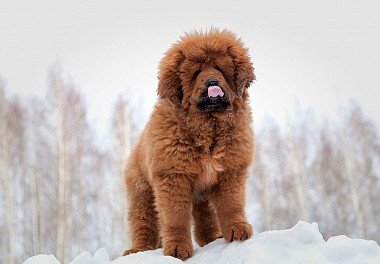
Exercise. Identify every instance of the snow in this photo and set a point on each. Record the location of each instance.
(300, 244)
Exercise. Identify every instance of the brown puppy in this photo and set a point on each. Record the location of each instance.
(192, 158)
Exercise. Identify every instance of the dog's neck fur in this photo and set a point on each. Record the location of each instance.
(208, 132)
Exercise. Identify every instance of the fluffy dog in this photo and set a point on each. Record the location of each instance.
(192, 158)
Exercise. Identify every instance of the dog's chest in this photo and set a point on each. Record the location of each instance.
(209, 169)
(211, 146)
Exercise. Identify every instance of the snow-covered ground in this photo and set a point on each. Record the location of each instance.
(298, 245)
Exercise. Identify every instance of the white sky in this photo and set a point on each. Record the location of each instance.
(320, 53)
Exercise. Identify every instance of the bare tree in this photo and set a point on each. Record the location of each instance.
(73, 142)
(360, 147)
(121, 134)
(57, 86)
(6, 176)
(268, 166)
(348, 167)
(300, 138)
(39, 172)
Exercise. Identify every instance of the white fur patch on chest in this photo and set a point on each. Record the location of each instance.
(209, 175)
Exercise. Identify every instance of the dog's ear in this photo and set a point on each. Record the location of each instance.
(169, 80)
(244, 71)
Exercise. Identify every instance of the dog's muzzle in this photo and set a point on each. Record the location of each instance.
(213, 97)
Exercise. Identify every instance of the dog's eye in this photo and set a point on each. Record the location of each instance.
(218, 69)
(196, 74)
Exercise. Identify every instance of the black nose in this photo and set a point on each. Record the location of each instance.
(212, 82)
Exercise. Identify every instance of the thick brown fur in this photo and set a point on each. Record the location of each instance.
(190, 163)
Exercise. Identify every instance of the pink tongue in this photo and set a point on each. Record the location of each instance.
(214, 91)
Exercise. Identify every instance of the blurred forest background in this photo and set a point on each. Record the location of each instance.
(62, 192)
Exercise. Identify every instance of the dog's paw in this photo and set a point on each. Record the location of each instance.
(135, 250)
(181, 250)
(238, 232)
(207, 237)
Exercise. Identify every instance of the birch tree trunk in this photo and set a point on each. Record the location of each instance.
(126, 150)
(349, 173)
(32, 146)
(3, 232)
(298, 179)
(81, 215)
(5, 173)
(122, 135)
(35, 213)
(266, 202)
(68, 217)
(61, 214)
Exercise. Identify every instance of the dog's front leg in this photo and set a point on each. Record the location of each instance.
(173, 200)
(229, 201)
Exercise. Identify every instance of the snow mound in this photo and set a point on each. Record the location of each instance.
(300, 244)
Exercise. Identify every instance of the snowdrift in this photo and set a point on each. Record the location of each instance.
(299, 245)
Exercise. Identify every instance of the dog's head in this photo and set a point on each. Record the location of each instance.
(206, 71)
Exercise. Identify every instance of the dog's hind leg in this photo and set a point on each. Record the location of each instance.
(206, 225)
(143, 220)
